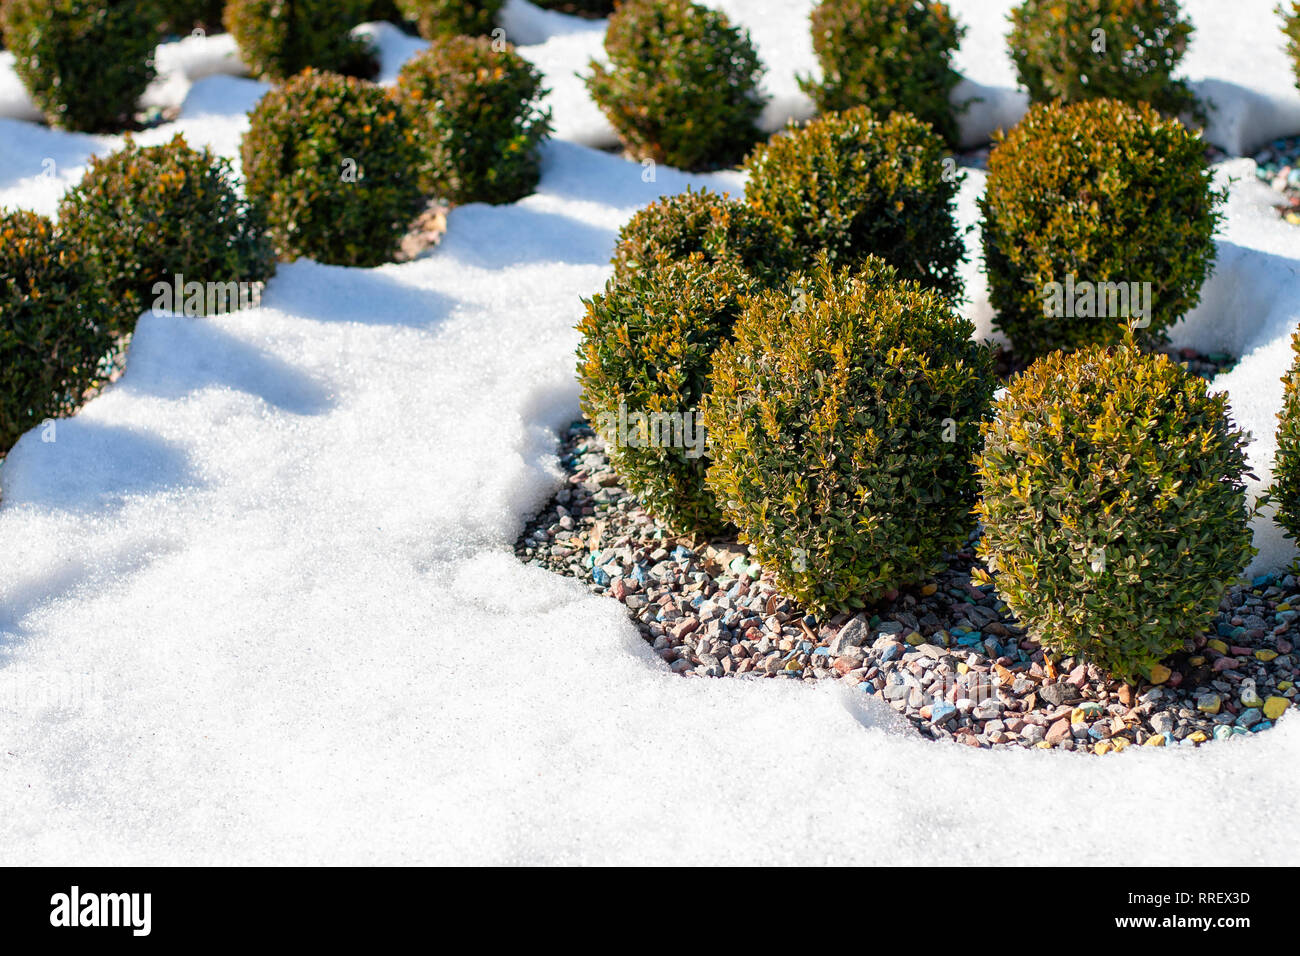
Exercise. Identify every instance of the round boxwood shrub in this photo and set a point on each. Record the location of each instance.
(887, 55)
(1291, 29)
(682, 85)
(1285, 491)
(1083, 201)
(476, 112)
(54, 326)
(448, 18)
(842, 421)
(147, 214)
(1113, 504)
(335, 163)
(648, 341)
(1075, 50)
(84, 62)
(852, 185)
(279, 38)
(715, 226)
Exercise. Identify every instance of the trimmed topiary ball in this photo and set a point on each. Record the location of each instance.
(1076, 50)
(852, 185)
(477, 113)
(717, 227)
(682, 85)
(1291, 29)
(842, 421)
(54, 326)
(148, 214)
(449, 18)
(279, 38)
(85, 63)
(1285, 491)
(648, 341)
(335, 163)
(1113, 504)
(1096, 215)
(887, 55)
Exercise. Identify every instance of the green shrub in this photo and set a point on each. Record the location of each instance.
(448, 18)
(842, 421)
(851, 185)
(54, 326)
(682, 86)
(1076, 50)
(84, 62)
(1113, 504)
(717, 227)
(590, 9)
(648, 341)
(335, 163)
(887, 55)
(145, 214)
(1291, 29)
(184, 16)
(1095, 192)
(477, 114)
(1285, 490)
(279, 38)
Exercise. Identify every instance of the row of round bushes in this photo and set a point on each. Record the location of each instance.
(1099, 191)
(683, 85)
(335, 168)
(86, 63)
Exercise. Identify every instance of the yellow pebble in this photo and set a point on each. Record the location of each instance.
(1156, 740)
(962, 667)
(1275, 707)
(1196, 661)
(1219, 646)
(1159, 674)
(1103, 747)
(1265, 655)
(929, 589)
(1284, 685)
(1119, 743)
(1198, 737)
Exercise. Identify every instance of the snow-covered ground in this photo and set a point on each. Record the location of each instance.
(258, 602)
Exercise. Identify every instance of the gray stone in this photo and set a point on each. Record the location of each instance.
(1058, 694)
(852, 634)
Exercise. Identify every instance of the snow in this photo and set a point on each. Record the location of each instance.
(257, 600)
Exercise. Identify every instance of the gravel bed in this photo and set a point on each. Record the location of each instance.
(947, 655)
